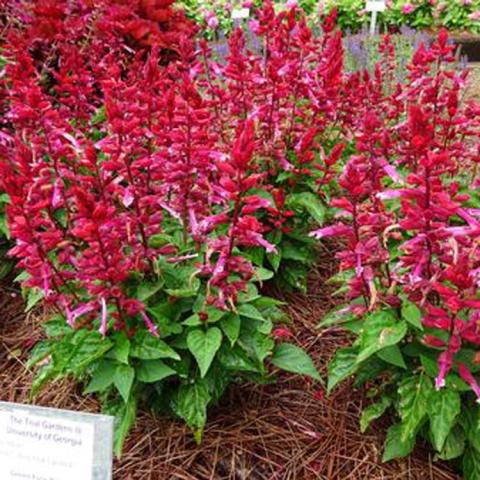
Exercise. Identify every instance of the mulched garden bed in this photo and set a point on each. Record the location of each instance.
(286, 431)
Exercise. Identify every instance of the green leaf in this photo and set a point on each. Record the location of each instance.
(34, 296)
(150, 371)
(369, 370)
(249, 311)
(471, 464)
(337, 316)
(444, 407)
(189, 291)
(291, 251)
(454, 444)
(231, 327)
(99, 116)
(204, 346)
(274, 259)
(39, 352)
(380, 330)
(256, 255)
(191, 405)
(415, 399)
(148, 347)
(123, 380)
(392, 355)
(263, 274)
(342, 366)
(374, 411)
(214, 314)
(44, 374)
(57, 327)
(258, 345)
(86, 347)
(193, 321)
(312, 204)
(395, 446)
(236, 359)
(147, 290)
(412, 314)
(121, 348)
(102, 377)
(124, 420)
(159, 240)
(294, 359)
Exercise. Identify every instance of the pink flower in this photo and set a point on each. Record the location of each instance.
(470, 379)
(213, 22)
(336, 230)
(72, 315)
(149, 324)
(104, 317)
(319, 394)
(408, 8)
(282, 332)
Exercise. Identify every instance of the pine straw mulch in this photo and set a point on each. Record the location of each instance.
(275, 432)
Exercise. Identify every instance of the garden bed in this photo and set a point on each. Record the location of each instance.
(287, 431)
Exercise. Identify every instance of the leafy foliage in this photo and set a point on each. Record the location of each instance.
(419, 14)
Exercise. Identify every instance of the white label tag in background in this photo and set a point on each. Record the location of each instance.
(49, 444)
(376, 6)
(240, 13)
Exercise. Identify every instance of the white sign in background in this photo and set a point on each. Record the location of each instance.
(376, 6)
(49, 444)
(240, 13)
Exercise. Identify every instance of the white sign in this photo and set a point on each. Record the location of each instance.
(47, 444)
(376, 6)
(240, 13)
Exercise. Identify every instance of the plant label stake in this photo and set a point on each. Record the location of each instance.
(240, 13)
(375, 6)
(46, 443)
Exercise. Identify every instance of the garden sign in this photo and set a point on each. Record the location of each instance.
(39, 443)
(240, 13)
(375, 6)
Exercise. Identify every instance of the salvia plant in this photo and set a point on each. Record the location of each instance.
(151, 194)
(409, 264)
